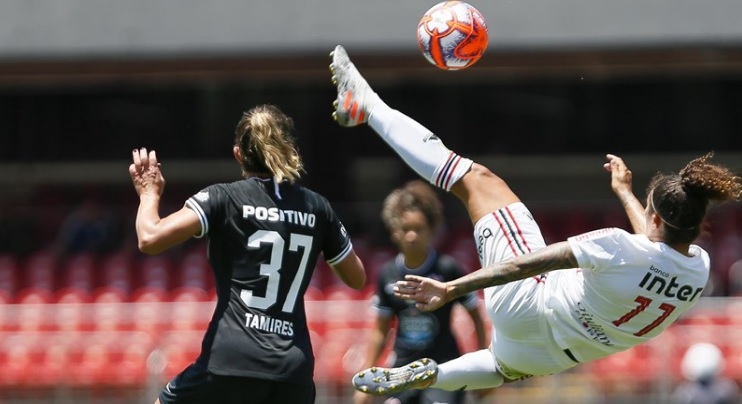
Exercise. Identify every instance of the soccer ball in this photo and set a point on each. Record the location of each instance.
(452, 35)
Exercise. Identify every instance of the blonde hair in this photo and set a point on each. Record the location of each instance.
(264, 135)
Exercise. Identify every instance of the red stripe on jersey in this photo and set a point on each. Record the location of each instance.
(451, 172)
(507, 234)
(519, 235)
(444, 169)
(520, 232)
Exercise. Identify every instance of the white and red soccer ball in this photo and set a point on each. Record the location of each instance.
(452, 35)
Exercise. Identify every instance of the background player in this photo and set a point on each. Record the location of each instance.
(413, 215)
(622, 289)
(265, 235)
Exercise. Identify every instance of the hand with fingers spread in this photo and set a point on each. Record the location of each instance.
(621, 176)
(145, 173)
(428, 293)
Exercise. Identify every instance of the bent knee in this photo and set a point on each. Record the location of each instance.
(483, 191)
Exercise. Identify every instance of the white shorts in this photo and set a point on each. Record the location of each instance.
(522, 342)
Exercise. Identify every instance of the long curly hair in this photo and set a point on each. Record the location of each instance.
(681, 199)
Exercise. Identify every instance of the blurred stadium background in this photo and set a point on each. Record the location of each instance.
(86, 318)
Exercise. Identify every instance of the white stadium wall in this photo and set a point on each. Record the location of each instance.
(43, 28)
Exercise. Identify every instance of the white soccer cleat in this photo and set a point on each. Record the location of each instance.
(355, 97)
(383, 381)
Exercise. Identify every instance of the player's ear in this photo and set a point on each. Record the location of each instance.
(237, 153)
(656, 221)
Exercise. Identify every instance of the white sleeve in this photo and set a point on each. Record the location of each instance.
(598, 249)
(191, 203)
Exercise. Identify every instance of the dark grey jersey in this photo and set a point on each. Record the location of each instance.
(421, 334)
(263, 243)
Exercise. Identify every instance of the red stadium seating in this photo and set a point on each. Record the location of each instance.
(149, 295)
(5, 298)
(9, 271)
(189, 294)
(179, 349)
(322, 275)
(71, 311)
(54, 365)
(341, 354)
(187, 316)
(344, 307)
(194, 271)
(40, 271)
(108, 312)
(108, 294)
(33, 311)
(154, 272)
(148, 314)
(90, 365)
(79, 272)
(34, 296)
(117, 271)
(130, 368)
(20, 354)
(72, 295)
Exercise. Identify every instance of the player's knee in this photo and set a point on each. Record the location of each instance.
(480, 175)
(479, 179)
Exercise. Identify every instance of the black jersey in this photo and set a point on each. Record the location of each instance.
(263, 243)
(420, 334)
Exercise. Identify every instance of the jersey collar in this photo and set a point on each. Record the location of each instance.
(422, 270)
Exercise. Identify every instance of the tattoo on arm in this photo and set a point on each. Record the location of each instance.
(555, 256)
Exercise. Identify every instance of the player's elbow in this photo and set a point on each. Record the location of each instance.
(149, 245)
(149, 249)
(357, 282)
(351, 271)
(356, 279)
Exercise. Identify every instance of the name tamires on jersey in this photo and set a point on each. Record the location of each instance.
(264, 239)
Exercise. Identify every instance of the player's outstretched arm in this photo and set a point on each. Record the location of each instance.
(430, 294)
(621, 183)
(157, 234)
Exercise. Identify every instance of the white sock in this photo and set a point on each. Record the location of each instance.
(472, 371)
(418, 147)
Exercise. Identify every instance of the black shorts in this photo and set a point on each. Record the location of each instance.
(196, 385)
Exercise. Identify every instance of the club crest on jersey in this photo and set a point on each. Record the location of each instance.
(202, 196)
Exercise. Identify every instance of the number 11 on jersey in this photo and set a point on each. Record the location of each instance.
(643, 303)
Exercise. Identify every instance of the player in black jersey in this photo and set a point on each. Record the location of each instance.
(265, 234)
(413, 214)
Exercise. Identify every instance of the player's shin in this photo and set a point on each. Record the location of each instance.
(419, 148)
(472, 371)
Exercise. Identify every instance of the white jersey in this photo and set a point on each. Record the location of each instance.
(627, 290)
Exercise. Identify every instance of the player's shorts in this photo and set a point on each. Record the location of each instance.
(196, 385)
(522, 341)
